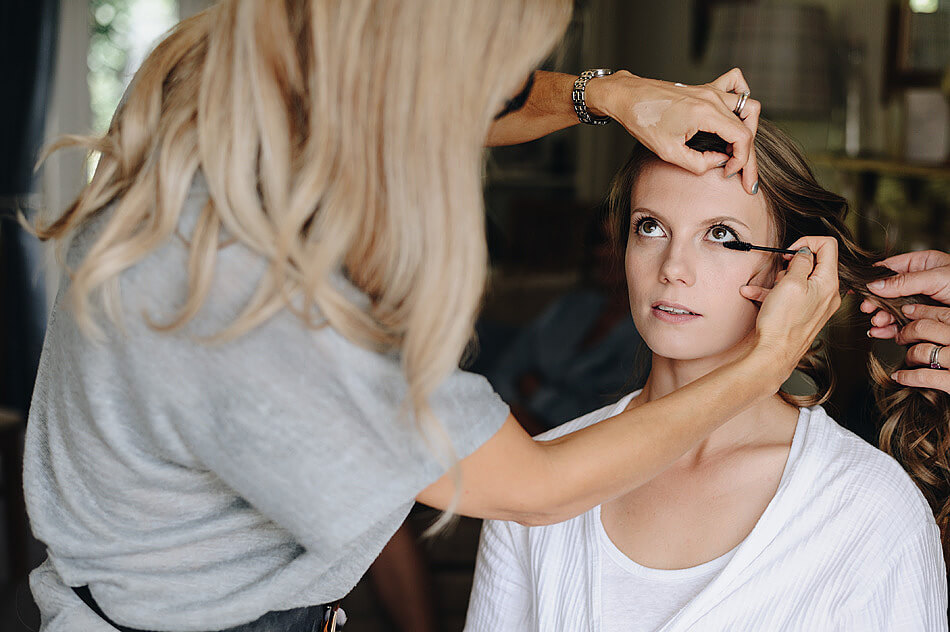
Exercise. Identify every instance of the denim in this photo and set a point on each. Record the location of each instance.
(306, 619)
(297, 620)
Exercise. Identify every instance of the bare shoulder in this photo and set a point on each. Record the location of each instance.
(782, 423)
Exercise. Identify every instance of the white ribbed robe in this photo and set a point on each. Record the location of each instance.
(848, 543)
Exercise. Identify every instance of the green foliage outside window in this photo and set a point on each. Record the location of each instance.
(122, 33)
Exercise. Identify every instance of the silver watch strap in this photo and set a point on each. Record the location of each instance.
(577, 96)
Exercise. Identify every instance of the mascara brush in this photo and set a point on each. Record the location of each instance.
(744, 246)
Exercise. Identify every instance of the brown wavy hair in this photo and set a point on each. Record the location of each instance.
(916, 421)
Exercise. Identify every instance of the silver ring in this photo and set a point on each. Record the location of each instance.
(743, 97)
(934, 362)
(679, 85)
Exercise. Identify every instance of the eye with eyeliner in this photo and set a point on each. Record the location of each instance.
(646, 222)
(732, 233)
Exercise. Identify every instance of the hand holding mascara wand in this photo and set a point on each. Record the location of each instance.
(746, 246)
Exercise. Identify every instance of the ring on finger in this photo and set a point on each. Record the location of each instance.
(934, 362)
(743, 97)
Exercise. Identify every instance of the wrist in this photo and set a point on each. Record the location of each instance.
(767, 364)
(600, 91)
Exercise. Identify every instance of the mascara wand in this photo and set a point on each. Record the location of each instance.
(744, 246)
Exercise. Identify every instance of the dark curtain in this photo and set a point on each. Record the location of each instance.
(28, 33)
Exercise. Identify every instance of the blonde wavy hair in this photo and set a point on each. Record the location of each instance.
(333, 135)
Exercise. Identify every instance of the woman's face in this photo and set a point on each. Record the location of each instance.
(682, 283)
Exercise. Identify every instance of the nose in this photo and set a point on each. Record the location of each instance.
(678, 266)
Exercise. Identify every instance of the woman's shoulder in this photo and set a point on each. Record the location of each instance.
(854, 474)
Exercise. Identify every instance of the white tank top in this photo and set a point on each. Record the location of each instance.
(636, 598)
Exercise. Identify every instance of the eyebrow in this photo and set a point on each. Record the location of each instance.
(711, 220)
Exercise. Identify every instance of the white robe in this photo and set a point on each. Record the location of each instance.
(847, 543)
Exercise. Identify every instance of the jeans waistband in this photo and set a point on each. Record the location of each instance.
(323, 618)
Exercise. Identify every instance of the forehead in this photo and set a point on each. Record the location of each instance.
(684, 198)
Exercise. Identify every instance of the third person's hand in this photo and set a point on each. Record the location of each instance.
(924, 272)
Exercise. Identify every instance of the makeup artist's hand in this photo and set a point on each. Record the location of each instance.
(795, 309)
(925, 272)
(664, 115)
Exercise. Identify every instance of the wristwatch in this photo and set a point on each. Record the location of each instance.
(577, 95)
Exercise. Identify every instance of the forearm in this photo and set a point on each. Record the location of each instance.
(548, 109)
(643, 441)
(512, 477)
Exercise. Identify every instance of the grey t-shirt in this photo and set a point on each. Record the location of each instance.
(196, 486)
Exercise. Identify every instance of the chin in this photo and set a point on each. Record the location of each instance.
(676, 352)
(688, 347)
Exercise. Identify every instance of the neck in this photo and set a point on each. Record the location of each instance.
(763, 422)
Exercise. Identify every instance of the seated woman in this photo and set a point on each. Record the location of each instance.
(781, 519)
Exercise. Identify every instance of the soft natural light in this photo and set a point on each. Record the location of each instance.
(924, 6)
(123, 33)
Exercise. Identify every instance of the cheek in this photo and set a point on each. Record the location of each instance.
(731, 316)
(730, 309)
(764, 276)
(641, 265)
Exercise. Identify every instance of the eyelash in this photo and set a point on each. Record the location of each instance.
(640, 221)
(645, 218)
(731, 231)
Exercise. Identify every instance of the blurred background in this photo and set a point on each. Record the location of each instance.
(863, 86)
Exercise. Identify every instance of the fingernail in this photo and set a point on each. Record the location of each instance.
(755, 187)
(804, 250)
(868, 333)
(894, 376)
(908, 309)
(722, 164)
(876, 285)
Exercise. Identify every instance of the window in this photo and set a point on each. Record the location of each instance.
(123, 33)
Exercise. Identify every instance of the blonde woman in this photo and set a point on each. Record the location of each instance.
(251, 373)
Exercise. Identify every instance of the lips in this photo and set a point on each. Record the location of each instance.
(674, 309)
